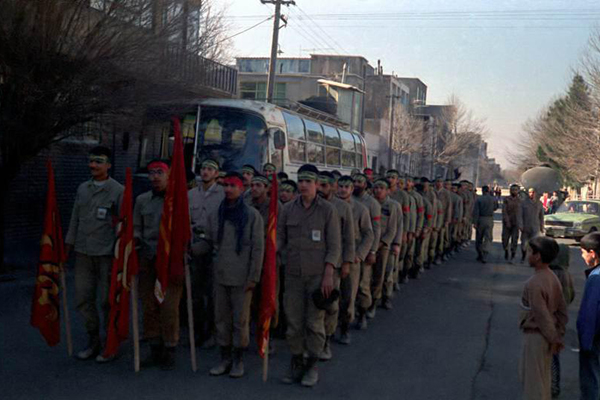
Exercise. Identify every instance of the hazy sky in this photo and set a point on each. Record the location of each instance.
(504, 59)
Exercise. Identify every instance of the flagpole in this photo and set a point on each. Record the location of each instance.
(265, 374)
(188, 287)
(136, 325)
(63, 283)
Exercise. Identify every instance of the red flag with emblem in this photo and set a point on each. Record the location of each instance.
(269, 274)
(124, 269)
(45, 313)
(175, 230)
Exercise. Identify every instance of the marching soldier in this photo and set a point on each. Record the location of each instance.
(512, 222)
(364, 299)
(446, 218)
(160, 320)
(467, 212)
(344, 212)
(412, 255)
(533, 219)
(92, 234)
(457, 217)
(429, 250)
(363, 236)
(398, 194)
(248, 172)
(288, 190)
(428, 224)
(483, 220)
(308, 230)
(404, 265)
(391, 238)
(204, 201)
(237, 233)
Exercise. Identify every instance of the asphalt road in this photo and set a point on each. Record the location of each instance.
(453, 334)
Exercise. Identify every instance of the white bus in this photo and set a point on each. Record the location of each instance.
(238, 132)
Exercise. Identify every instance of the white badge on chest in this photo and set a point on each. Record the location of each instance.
(101, 213)
(316, 235)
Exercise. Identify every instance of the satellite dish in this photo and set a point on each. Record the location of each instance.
(542, 179)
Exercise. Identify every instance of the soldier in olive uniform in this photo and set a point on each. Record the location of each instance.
(204, 201)
(308, 230)
(512, 222)
(92, 234)
(237, 232)
(446, 219)
(390, 214)
(458, 216)
(363, 236)
(344, 212)
(160, 320)
(364, 299)
(288, 190)
(428, 224)
(248, 171)
(397, 194)
(413, 251)
(483, 220)
(432, 217)
(411, 211)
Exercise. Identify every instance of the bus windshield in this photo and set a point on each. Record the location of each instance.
(232, 137)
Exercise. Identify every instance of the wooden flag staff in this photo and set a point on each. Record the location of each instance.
(266, 361)
(63, 284)
(136, 324)
(190, 310)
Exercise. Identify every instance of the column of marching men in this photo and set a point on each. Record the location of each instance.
(345, 245)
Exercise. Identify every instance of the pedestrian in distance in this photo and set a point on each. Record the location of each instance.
(92, 234)
(588, 320)
(483, 221)
(512, 223)
(533, 219)
(237, 234)
(543, 320)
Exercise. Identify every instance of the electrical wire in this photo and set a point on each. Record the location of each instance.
(322, 30)
(247, 29)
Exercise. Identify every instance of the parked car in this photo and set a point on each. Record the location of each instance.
(574, 219)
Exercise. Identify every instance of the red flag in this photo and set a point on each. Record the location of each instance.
(269, 274)
(175, 230)
(124, 269)
(45, 309)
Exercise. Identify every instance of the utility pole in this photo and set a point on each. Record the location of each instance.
(274, 44)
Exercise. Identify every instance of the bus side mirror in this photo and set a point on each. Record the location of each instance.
(278, 138)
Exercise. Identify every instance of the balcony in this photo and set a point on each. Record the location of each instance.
(199, 74)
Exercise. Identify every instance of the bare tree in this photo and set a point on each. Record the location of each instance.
(461, 133)
(407, 132)
(64, 63)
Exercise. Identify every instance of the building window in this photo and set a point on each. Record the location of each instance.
(258, 91)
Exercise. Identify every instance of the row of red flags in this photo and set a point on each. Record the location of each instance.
(170, 262)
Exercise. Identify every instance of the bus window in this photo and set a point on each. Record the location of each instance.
(348, 149)
(359, 151)
(314, 131)
(296, 137)
(316, 153)
(232, 137)
(334, 143)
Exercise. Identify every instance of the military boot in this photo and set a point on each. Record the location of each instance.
(92, 349)
(296, 370)
(225, 364)
(387, 303)
(345, 337)
(372, 310)
(311, 376)
(326, 354)
(237, 370)
(155, 356)
(168, 360)
(361, 319)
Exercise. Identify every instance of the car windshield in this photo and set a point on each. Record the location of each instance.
(579, 207)
(232, 137)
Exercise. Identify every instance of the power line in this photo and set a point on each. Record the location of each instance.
(322, 30)
(316, 39)
(246, 30)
